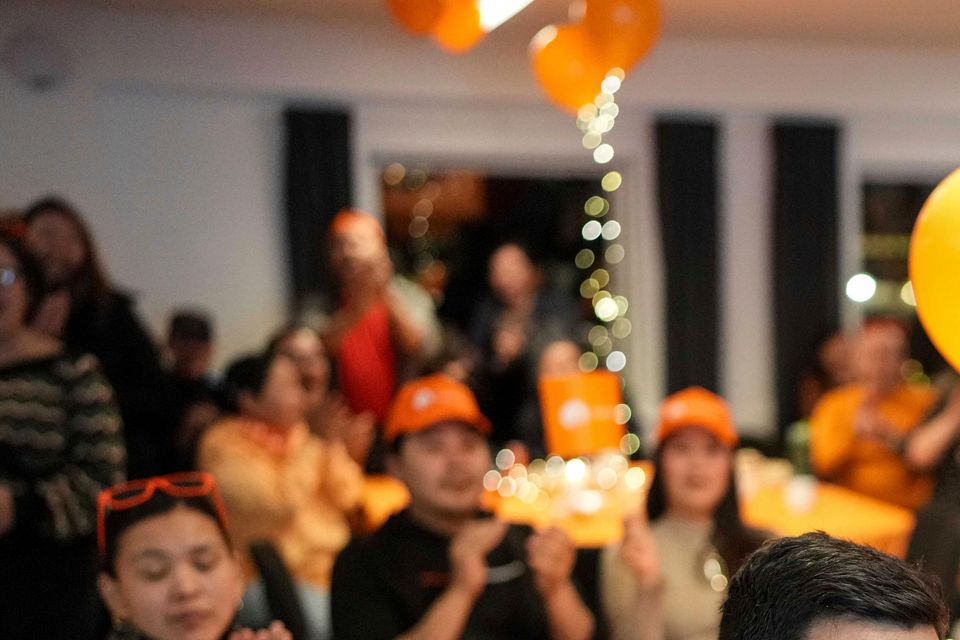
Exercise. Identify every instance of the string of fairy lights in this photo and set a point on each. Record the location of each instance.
(596, 120)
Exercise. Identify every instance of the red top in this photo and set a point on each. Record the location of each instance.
(367, 363)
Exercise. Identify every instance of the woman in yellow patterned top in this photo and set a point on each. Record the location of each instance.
(281, 483)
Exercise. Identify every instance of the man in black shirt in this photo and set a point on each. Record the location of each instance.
(441, 569)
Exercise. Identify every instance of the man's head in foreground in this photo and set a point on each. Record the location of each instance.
(814, 587)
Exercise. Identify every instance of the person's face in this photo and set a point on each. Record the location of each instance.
(13, 295)
(512, 276)
(176, 579)
(696, 469)
(281, 402)
(559, 358)
(56, 242)
(854, 629)
(835, 358)
(879, 354)
(356, 249)
(191, 357)
(443, 469)
(306, 350)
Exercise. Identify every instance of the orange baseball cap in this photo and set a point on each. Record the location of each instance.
(697, 407)
(427, 402)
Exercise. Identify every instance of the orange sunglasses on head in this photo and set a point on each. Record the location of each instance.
(188, 484)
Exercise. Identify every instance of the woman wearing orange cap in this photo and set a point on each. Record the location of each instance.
(668, 578)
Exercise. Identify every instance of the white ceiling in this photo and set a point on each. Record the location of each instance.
(889, 23)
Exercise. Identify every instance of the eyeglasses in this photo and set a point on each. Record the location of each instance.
(8, 276)
(188, 484)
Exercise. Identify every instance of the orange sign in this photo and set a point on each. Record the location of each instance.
(580, 413)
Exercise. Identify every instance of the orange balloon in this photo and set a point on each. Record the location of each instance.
(935, 267)
(458, 27)
(623, 30)
(567, 66)
(416, 16)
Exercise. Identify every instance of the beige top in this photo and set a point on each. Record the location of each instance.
(289, 487)
(686, 607)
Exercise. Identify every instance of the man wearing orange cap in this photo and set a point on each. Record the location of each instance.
(858, 431)
(442, 569)
(381, 321)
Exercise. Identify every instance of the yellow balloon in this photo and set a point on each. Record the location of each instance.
(935, 267)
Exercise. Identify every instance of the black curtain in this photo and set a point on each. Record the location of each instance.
(805, 250)
(317, 185)
(687, 196)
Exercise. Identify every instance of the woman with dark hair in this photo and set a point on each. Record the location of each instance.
(168, 571)
(81, 307)
(281, 483)
(328, 414)
(60, 444)
(668, 578)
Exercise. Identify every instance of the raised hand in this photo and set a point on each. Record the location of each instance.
(276, 631)
(468, 554)
(639, 551)
(551, 556)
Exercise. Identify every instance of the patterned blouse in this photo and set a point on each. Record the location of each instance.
(60, 443)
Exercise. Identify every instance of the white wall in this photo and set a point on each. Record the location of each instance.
(169, 138)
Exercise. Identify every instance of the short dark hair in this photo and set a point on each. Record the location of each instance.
(116, 523)
(791, 583)
(191, 324)
(246, 374)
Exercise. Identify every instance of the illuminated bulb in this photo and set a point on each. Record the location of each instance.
(621, 328)
(635, 478)
(603, 154)
(611, 181)
(614, 253)
(622, 413)
(861, 287)
(616, 361)
(555, 466)
(584, 259)
(611, 230)
(589, 288)
(610, 84)
(491, 480)
(576, 471)
(508, 487)
(588, 362)
(592, 230)
(591, 140)
(393, 174)
(418, 227)
(607, 479)
(505, 459)
(622, 305)
(610, 109)
(597, 334)
(603, 124)
(602, 276)
(907, 295)
(606, 309)
(618, 73)
(596, 206)
(629, 444)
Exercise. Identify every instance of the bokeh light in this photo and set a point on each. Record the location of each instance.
(615, 253)
(584, 259)
(616, 361)
(603, 154)
(861, 287)
(591, 230)
(611, 181)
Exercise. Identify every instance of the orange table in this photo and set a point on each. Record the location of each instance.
(835, 510)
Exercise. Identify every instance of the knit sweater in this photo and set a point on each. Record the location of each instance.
(60, 443)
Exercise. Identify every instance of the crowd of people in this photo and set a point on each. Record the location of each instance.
(133, 484)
